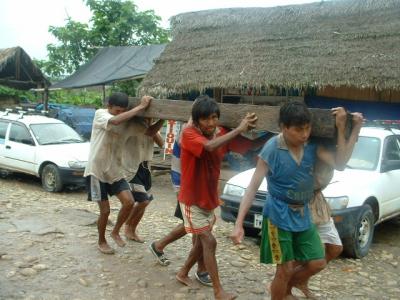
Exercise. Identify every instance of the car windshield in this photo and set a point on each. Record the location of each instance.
(58, 133)
(365, 154)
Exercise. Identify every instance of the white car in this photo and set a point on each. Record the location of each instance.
(44, 147)
(364, 194)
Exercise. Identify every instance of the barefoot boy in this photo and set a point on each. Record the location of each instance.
(103, 171)
(141, 183)
(288, 234)
(202, 148)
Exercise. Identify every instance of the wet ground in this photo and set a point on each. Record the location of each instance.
(48, 251)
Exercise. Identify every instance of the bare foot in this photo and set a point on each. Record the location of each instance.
(306, 291)
(133, 236)
(118, 240)
(225, 296)
(105, 248)
(184, 280)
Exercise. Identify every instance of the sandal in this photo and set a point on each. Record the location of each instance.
(162, 260)
(203, 278)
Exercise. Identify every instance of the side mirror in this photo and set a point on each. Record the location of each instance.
(389, 165)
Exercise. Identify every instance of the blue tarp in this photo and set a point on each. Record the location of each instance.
(112, 64)
(79, 118)
(370, 110)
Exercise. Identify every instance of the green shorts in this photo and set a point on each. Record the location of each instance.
(279, 246)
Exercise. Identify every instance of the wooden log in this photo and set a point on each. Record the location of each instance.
(323, 123)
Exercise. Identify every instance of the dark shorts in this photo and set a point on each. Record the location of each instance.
(141, 184)
(99, 191)
(178, 212)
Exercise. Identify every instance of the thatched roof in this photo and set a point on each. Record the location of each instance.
(17, 69)
(338, 43)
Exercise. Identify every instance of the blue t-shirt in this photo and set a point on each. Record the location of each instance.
(289, 182)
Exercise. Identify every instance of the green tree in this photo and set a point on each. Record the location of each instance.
(113, 23)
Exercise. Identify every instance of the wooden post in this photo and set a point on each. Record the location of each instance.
(46, 98)
(104, 95)
(323, 123)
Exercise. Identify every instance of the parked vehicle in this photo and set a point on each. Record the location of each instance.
(42, 146)
(361, 196)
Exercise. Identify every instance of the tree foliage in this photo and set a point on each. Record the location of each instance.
(113, 23)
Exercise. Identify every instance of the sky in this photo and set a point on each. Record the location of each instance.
(25, 23)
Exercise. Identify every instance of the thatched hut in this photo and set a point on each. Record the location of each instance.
(17, 70)
(349, 48)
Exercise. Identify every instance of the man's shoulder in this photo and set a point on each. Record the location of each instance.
(272, 144)
(191, 131)
(101, 112)
(221, 130)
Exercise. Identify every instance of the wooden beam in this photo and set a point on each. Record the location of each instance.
(323, 123)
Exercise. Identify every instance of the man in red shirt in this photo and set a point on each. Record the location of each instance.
(203, 146)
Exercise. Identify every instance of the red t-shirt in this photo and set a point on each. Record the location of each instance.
(200, 168)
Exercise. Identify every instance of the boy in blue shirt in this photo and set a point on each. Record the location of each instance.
(288, 234)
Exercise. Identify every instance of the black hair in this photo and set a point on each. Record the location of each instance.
(294, 113)
(203, 107)
(118, 99)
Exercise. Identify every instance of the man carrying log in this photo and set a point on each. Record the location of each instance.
(104, 172)
(203, 146)
(288, 234)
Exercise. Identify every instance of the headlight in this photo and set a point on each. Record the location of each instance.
(337, 202)
(233, 190)
(77, 164)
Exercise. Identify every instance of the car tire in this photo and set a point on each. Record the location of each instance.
(358, 244)
(249, 231)
(51, 179)
(4, 173)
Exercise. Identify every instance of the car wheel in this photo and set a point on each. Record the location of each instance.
(51, 180)
(4, 173)
(358, 244)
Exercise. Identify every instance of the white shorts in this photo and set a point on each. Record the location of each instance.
(197, 220)
(329, 234)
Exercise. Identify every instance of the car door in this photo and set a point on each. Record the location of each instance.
(3, 132)
(390, 179)
(19, 152)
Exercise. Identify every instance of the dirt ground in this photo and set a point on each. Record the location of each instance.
(48, 251)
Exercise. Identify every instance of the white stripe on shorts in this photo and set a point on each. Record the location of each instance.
(95, 190)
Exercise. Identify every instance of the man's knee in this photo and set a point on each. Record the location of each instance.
(104, 212)
(126, 199)
(128, 205)
(104, 208)
(285, 271)
(332, 251)
(208, 240)
(317, 265)
(143, 205)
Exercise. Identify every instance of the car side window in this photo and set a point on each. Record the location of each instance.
(20, 134)
(3, 131)
(392, 151)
